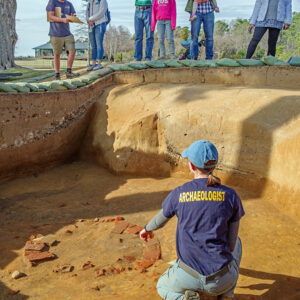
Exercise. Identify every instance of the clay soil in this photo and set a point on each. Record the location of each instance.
(62, 205)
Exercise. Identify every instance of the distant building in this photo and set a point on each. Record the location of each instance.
(46, 50)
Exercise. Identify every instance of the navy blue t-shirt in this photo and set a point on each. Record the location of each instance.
(204, 214)
(59, 29)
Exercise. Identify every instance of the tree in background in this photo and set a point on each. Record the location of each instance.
(185, 33)
(289, 43)
(221, 28)
(8, 35)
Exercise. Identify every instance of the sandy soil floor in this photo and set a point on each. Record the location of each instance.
(52, 204)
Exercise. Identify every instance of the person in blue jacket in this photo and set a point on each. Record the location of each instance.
(208, 248)
(271, 15)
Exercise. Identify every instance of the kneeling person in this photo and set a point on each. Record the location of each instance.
(208, 248)
(60, 35)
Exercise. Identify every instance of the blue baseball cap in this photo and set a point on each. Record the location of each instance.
(200, 152)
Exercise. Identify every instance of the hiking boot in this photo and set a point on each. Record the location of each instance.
(191, 295)
(72, 75)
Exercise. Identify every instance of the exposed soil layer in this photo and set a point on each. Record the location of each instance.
(53, 203)
(139, 128)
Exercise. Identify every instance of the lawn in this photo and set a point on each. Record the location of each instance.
(33, 68)
(27, 73)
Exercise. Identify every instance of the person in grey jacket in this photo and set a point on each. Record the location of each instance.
(272, 15)
(96, 16)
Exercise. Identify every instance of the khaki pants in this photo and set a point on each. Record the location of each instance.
(66, 42)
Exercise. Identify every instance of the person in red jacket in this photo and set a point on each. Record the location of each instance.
(164, 14)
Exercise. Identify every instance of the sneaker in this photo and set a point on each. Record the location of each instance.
(57, 76)
(98, 67)
(91, 67)
(72, 75)
(191, 295)
(193, 17)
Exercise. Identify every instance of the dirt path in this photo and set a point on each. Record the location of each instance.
(52, 204)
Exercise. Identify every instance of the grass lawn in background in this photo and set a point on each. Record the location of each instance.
(27, 73)
(48, 63)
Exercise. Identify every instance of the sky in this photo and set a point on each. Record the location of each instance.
(32, 27)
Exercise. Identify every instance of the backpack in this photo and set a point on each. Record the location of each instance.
(107, 13)
(108, 17)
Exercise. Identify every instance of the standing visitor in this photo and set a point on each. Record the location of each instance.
(142, 20)
(208, 248)
(205, 15)
(164, 14)
(96, 15)
(60, 35)
(271, 15)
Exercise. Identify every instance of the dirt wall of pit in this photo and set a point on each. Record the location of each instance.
(139, 122)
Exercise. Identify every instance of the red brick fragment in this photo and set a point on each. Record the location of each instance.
(141, 285)
(144, 264)
(74, 275)
(87, 265)
(13, 292)
(46, 224)
(69, 231)
(30, 246)
(110, 220)
(63, 205)
(135, 230)
(152, 250)
(120, 219)
(120, 227)
(100, 273)
(35, 256)
(130, 258)
(114, 270)
(121, 240)
(35, 236)
(128, 269)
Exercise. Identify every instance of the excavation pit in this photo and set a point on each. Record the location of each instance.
(113, 149)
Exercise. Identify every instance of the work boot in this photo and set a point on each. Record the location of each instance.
(70, 74)
(191, 295)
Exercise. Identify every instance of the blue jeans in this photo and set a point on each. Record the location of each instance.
(175, 281)
(96, 39)
(208, 21)
(142, 19)
(162, 27)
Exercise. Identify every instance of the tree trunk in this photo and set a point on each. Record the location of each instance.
(8, 35)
